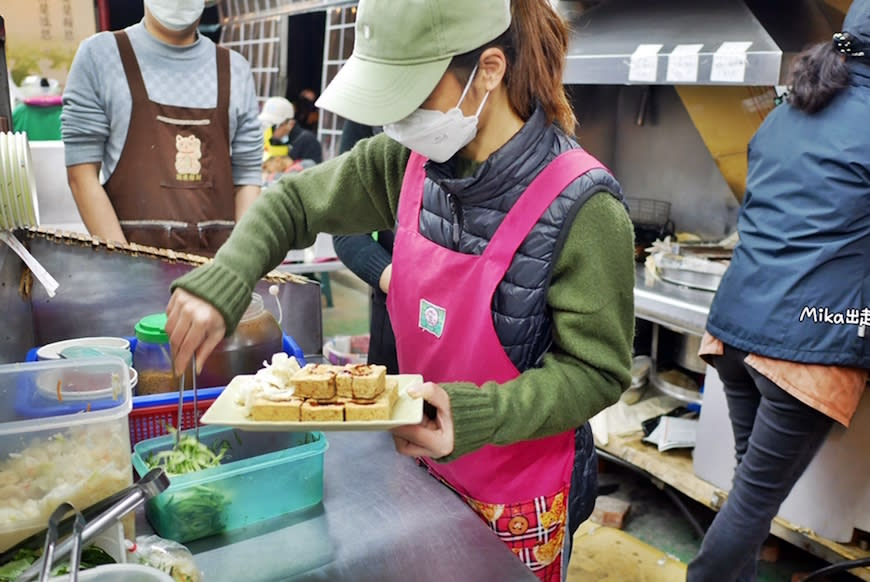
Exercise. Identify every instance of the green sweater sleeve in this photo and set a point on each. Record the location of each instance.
(355, 193)
(589, 364)
(591, 291)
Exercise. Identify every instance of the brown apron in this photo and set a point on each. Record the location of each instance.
(173, 185)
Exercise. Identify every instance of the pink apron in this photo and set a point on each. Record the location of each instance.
(440, 303)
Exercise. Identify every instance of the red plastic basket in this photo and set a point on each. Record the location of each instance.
(151, 421)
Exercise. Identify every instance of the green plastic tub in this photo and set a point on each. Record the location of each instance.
(263, 475)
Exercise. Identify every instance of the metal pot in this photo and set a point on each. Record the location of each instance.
(686, 350)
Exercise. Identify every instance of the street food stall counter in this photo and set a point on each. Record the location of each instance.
(383, 518)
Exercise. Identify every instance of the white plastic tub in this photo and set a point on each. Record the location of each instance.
(119, 572)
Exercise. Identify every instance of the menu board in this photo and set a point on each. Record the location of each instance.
(42, 36)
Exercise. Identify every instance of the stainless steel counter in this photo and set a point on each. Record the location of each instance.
(383, 518)
(681, 309)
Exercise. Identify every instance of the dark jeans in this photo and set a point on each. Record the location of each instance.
(776, 437)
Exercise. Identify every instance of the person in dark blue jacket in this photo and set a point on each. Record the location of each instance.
(789, 328)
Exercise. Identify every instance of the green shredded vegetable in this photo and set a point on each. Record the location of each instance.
(92, 556)
(188, 456)
(197, 511)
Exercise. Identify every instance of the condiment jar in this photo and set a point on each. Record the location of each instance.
(257, 337)
(152, 357)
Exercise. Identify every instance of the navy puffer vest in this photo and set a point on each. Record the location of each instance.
(463, 214)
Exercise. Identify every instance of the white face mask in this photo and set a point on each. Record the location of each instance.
(176, 14)
(437, 135)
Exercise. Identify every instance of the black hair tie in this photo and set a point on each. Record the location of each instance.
(847, 44)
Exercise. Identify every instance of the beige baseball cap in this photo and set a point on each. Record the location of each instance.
(401, 51)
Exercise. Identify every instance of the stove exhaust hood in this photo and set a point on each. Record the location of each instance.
(686, 42)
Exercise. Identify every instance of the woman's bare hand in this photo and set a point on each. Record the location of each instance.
(386, 275)
(194, 327)
(432, 437)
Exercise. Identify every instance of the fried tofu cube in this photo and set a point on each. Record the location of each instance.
(315, 381)
(286, 410)
(379, 409)
(368, 381)
(318, 412)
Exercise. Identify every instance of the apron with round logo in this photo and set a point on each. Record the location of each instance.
(440, 304)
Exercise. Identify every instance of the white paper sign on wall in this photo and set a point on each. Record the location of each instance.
(644, 63)
(729, 62)
(683, 63)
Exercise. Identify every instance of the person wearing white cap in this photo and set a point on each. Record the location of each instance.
(170, 121)
(513, 264)
(282, 135)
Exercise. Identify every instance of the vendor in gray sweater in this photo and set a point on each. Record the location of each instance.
(170, 121)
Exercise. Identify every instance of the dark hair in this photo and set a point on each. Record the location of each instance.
(535, 47)
(817, 75)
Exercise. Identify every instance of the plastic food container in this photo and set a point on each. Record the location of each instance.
(100, 345)
(116, 572)
(81, 388)
(263, 475)
(345, 349)
(54, 450)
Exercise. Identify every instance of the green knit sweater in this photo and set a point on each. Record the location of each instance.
(591, 292)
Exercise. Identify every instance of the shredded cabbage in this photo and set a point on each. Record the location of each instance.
(80, 465)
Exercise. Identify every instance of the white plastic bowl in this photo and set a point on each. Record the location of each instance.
(118, 573)
(100, 384)
(52, 351)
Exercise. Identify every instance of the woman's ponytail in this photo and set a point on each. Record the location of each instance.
(817, 76)
(535, 46)
(541, 38)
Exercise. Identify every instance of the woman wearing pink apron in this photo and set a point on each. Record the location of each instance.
(511, 290)
(520, 490)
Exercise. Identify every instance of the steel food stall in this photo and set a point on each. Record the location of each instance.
(667, 96)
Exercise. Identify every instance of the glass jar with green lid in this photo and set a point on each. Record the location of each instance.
(152, 357)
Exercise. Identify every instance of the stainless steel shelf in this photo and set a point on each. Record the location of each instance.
(606, 37)
(678, 308)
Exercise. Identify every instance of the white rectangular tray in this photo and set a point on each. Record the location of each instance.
(225, 412)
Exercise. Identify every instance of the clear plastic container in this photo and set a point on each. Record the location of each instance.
(256, 338)
(152, 357)
(342, 350)
(54, 450)
(263, 475)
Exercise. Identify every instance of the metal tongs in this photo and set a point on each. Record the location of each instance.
(181, 404)
(153, 483)
(48, 552)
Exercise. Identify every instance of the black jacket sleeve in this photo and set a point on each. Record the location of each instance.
(306, 147)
